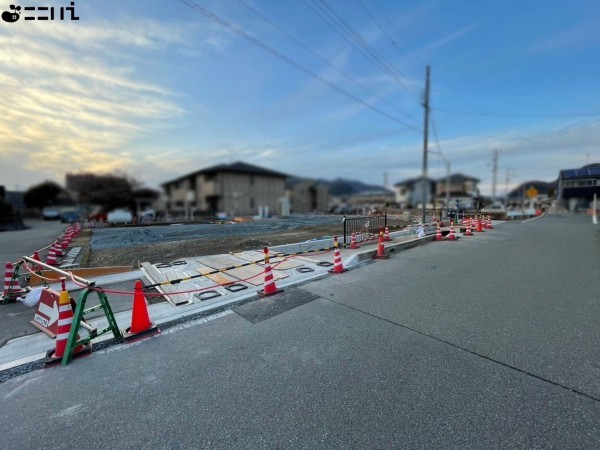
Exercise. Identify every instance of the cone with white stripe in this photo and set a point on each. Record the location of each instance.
(386, 236)
(12, 287)
(468, 228)
(65, 322)
(380, 248)
(51, 258)
(452, 235)
(269, 287)
(337, 258)
(353, 243)
(438, 233)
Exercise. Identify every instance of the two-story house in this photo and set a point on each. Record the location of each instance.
(231, 189)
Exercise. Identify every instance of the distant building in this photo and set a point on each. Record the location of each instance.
(409, 193)
(233, 189)
(576, 187)
(371, 200)
(307, 195)
(544, 190)
(463, 190)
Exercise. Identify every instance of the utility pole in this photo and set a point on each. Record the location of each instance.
(494, 173)
(448, 184)
(425, 144)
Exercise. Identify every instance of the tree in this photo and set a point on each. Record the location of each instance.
(41, 195)
(108, 191)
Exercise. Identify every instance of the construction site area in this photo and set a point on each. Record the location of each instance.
(181, 271)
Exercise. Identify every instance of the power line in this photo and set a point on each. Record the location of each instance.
(320, 58)
(289, 61)
(393, 42)
(397, 31)
(341, 27)
(493, 114)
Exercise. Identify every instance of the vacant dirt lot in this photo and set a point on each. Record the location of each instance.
(124, 247)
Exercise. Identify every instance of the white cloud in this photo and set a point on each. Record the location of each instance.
(69, 105)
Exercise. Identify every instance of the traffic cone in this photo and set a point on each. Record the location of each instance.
(380, 248)
(438, 233)
(64, 244)
(472, 222)
(468, 228)
(337, 258)
(479, 225)
(65, 321)
(452, 236)
(489, 225)
(386, 236)
(57, 248)
(12, 287)
(353, 243)
(140, 319)
(51, 258)
(269, 287)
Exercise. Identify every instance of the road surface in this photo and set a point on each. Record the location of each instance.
(487, 342)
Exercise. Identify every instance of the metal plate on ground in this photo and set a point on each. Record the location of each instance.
(221, 278)
(287, 264)
(315, 259)
(251, 256)
(268, 307)
(221, 261)
(249, 275)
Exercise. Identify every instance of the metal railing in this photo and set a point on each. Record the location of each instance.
(365, 227)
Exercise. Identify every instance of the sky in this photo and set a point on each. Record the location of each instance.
(156, 89)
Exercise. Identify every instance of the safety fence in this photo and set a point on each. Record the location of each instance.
(364, 227)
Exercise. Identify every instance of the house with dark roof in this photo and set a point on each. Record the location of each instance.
(232, 189)
(577, 187)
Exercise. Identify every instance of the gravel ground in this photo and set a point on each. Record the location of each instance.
(134, 245)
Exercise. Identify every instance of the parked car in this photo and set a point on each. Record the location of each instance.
(50, 213)
(69, 217)
(494, 209)
(119, 216)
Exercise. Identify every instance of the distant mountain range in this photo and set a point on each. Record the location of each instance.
(341, 186)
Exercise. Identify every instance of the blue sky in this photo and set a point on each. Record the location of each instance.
(157, 89)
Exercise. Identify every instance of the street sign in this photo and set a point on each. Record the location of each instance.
(46, 315)
(532, 192)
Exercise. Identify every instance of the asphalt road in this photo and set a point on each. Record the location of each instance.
(488, 342)
(40, 233)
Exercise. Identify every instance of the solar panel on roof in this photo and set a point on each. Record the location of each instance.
(595, 171)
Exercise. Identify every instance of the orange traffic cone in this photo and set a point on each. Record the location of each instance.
(12, 287)
(337, 258)
(438, 233)
(65, 321)
(140, 319)
(468, 228)
(452, 235)
(386, 236)
(353, 243)
(269, 288)
(380, 248)
(479, 225)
